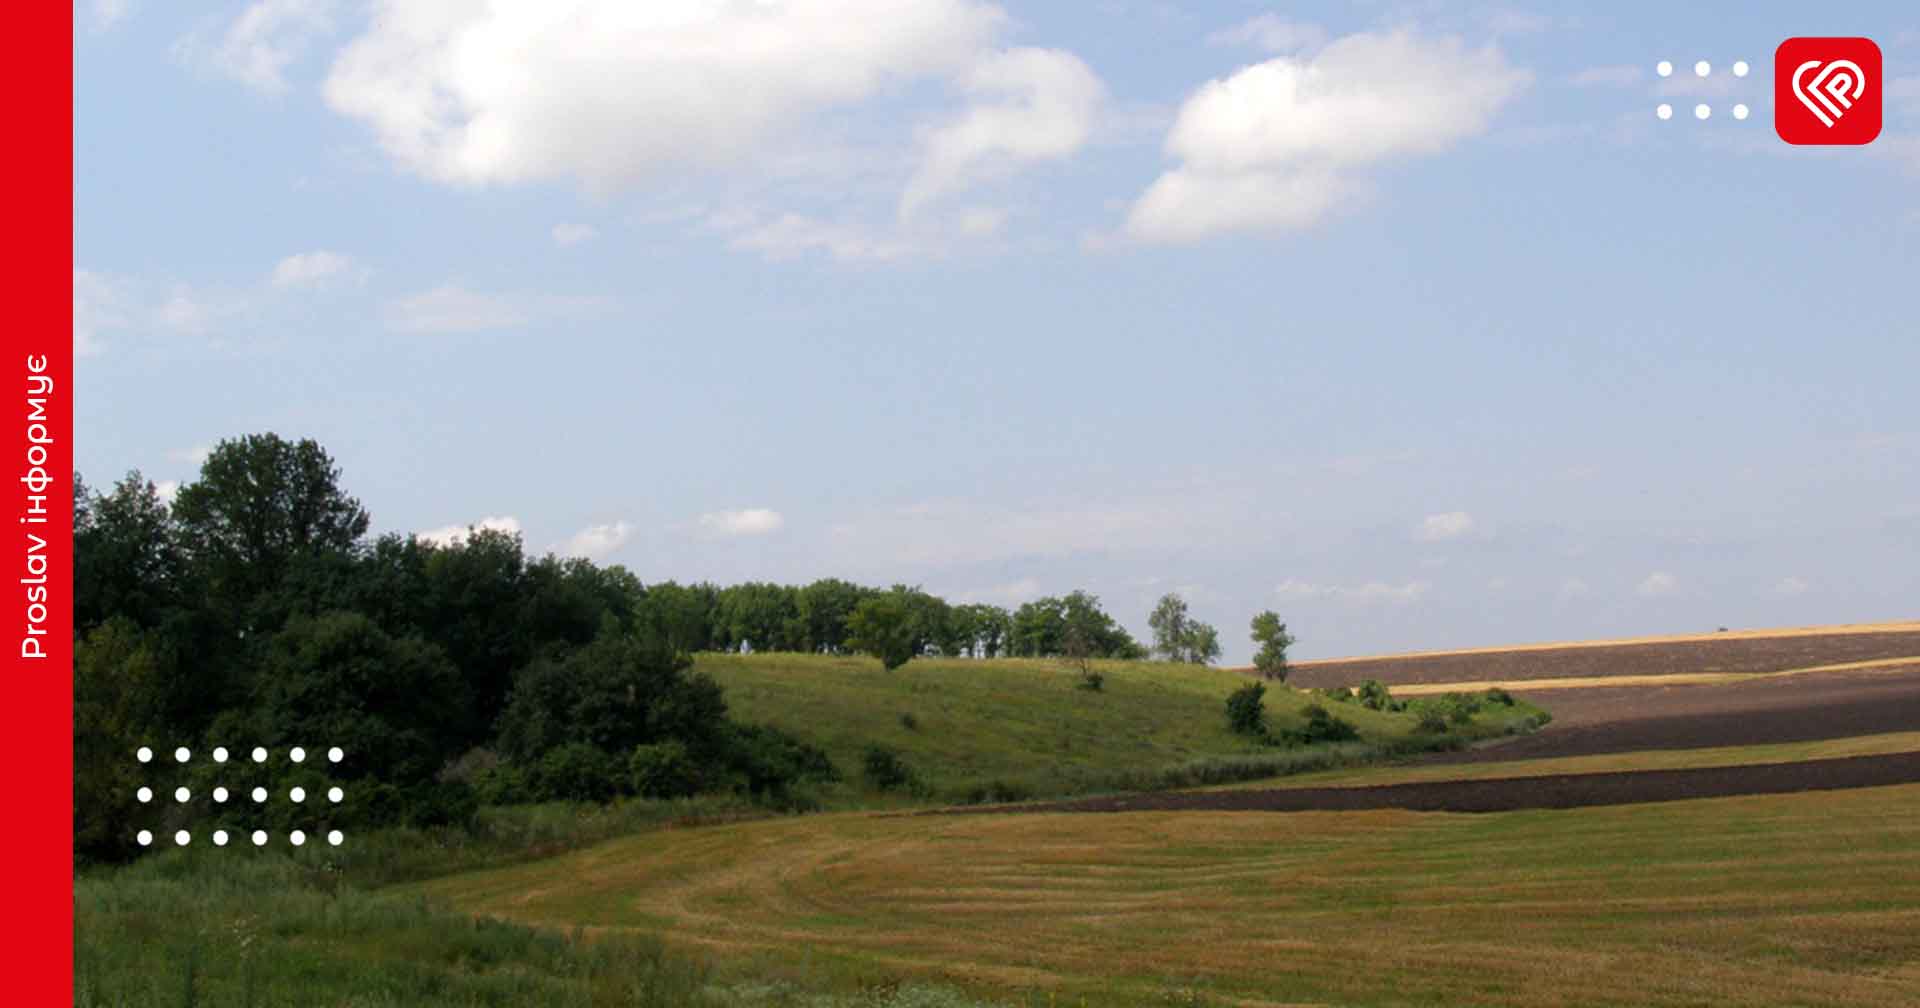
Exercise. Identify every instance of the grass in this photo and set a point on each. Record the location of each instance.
(1779, 899)
(1023, 724)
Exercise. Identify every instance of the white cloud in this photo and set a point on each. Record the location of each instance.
(1659, 584)
(453, 535)
(607, 92)
(195, 456)
(1010, 594)
(1273, 147)
(258, 47)
(573, 234)
(1371, 592)
(311, 269)
(1441, 527)
(1791, 586)
(980, 222)
(596, 541)
(108, 13)
(793, 234)
(452, 308)
(185, 311)
(96, 308)
(1619, 75)
(742, 522)
(1272, 33)
(1028, 105)
(167, 490)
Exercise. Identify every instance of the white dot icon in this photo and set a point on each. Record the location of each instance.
(297, 754)
(334, 755)
(1663, 68)
(1702, 68)
(298, 794)
(259, 794)
(1664, 111)
(259, 755)
(183, 838)
(219, 838)
(144, 755)
(181, 754)
(334, 837)
(298, 838)
(220, 754)
(1740, 68)
(181, 794)
(1701, 111)
(1739, 111)
(145, 837)
(219, 794)
(259, 838)
(334, 794)
(145, 795)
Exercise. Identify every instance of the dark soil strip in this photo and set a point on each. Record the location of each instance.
(1507, 794)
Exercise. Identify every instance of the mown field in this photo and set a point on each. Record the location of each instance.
(1788, 899)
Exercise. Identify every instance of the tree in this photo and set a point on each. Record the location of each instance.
(259, 502)
(682, 616)
(824, 608)
(117, 683)
(127, 559)
(1169, 623)
(1273, 640)
(1247, 711)
(884, 626)
(1203, 643)
(614, 694)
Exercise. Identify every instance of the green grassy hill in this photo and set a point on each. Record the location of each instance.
(1025, 723)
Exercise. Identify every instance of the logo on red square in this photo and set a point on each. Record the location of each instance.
(1826, 91)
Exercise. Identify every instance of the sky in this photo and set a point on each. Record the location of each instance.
(1409, 321)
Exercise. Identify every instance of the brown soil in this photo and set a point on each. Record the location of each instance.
(1799, 708)
(1512, 793)
(1734, 653)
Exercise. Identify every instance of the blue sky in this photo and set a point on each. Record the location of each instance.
(1409, 321)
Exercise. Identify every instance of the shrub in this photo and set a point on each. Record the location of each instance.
(1247, 710)
(665, 770)
(1337, 694)
(770, 764)
(1496, 695)
(505, 784)
(1324, 727)
(1373, 696)
(577, 771)
(909, 722)
(1431, 722)
(886, 771)
(1092, 679)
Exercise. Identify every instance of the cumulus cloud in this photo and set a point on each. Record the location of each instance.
(167, 491)
(311, 269)
(1272, 33)
(1276, 145)
(596, 541)
(1294, 590)
(1620, 75)
(108, 13)
(1659, 584)
(259, 45)
(453, 535)
(743, 522)
(607, 92)
(573, 234)
(194, 456)
(1027, 105)
(97, 307)
(452, 308)
(789, 235)
(1441, 527)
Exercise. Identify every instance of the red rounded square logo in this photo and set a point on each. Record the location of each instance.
(1826, 91)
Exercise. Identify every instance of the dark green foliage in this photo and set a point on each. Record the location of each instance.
(1337, 694)
(116, 685)
(1322, 726)
(614, 694)
(1373, 696)
(1041, 628)
(577, 771)
(1431, 722)
(886, 771)
(1272, 637)
(665, 770)
(771, 765)
(1247, 710)
(1179, 637)
(909, 722)
(1496, 695)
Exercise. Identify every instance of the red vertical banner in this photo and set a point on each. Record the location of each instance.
(36, 441)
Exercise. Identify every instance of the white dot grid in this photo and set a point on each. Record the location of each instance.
(1701, 111)
(1664, 111)
(182, 754)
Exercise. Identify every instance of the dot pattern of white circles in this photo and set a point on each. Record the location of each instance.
(1702, 68)
(296, 754)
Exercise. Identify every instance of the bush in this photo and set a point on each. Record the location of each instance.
(505, 784)
(770, 765)
(1092, 679)
(1324, 727)
(665, 770)
(886, 771)
(1431, 722)
(1337, 694)
(1373, 696)
(1247, 711)
(577, 771)
(909, 722)
(1496, 695)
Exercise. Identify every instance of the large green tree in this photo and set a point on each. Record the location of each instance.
(1273, 640)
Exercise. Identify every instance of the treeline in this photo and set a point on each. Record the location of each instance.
(254, 610)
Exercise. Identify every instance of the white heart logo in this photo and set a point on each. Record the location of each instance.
(1834, 88)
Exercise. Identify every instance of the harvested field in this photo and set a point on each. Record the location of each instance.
(1798, 708)
(1748, 652)
(1509, 794)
